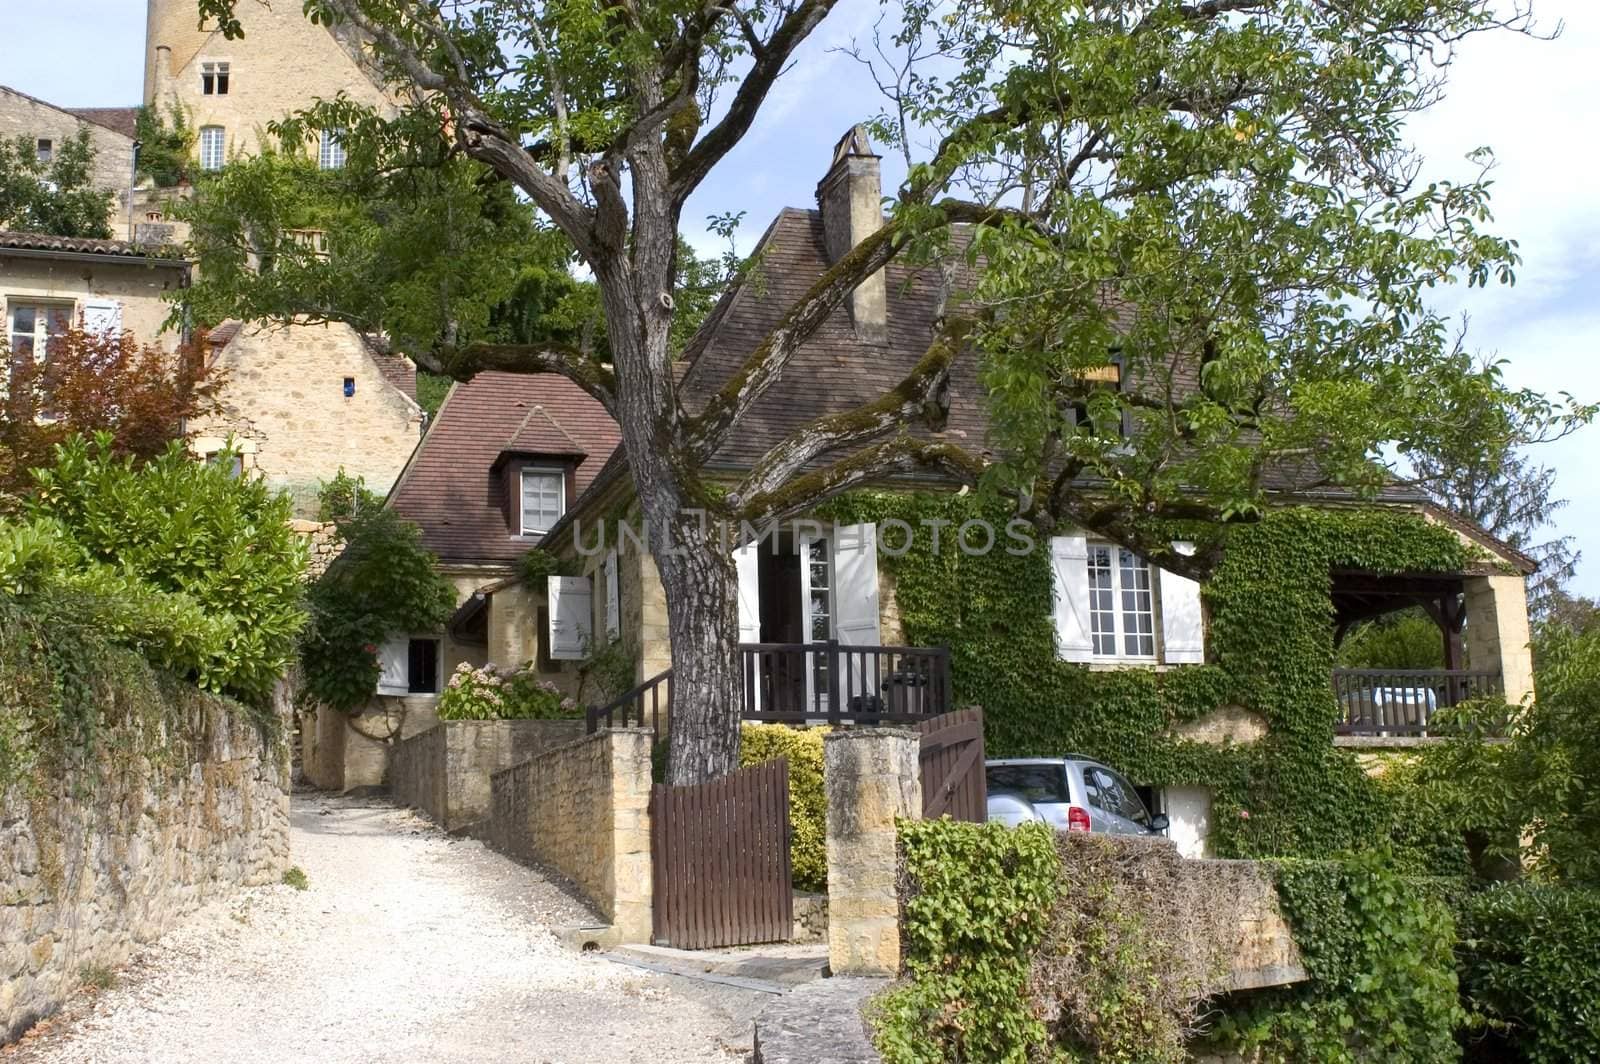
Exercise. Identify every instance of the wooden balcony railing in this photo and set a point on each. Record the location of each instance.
(1404, 701)
(819, 683)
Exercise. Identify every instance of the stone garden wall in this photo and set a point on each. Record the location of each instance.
(445, 771)
(584, 810)
(97, 861)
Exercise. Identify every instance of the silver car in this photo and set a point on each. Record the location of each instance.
(1069, 793)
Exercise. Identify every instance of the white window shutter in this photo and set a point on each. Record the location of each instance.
(571, 617)
(1183, 635)
(394, 666)
(855, 585)
(102, 316)
(1069, 568)
(745, 560)
(613, 599)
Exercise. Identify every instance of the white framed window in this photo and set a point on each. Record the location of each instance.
(1121, 603)
(31, 325)
(213, 142)
(214, 79)
(544, 500)
(45, 150)
(330, 153)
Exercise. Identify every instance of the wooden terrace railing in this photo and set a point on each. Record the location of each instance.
(1404, 701)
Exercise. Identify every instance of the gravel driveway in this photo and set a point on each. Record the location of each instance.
(408, 946)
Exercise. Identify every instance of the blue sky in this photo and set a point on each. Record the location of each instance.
(1531, 101)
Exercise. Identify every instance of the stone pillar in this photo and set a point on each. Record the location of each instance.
(629, 884)
(872, 776)
(1497, 630)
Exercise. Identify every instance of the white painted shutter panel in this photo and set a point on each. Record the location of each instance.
(613, 599)
(855, 603)
(394, 666)
(571, 617)
(102, 316)
(855, 582)
(1183, 635)
(746, 562)
(1069, 569)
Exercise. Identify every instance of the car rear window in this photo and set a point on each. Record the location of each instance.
(1037, 783)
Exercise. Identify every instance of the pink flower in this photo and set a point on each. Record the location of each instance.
(370, 648)
(1244, 814)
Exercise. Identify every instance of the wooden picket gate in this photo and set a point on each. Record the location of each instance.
(720, 860)
(953, 779)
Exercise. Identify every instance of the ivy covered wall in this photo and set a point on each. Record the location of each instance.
(1269, 650)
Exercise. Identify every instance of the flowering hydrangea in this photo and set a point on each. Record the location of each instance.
(491, 692)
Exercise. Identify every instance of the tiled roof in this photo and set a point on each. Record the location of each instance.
(448, 487)
(833, 370)
(82, 245)
(122, 120)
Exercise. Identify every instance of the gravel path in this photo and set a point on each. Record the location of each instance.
(408, 946)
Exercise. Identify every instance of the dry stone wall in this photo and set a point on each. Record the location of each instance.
(584, 810)
(97, 862)
(445, 771)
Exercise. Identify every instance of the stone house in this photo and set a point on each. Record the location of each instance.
(305, 400)
(47, 283)
(111, 131)
(506, 456)
(812, 582)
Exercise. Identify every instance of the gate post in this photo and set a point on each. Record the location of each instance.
(871, 776)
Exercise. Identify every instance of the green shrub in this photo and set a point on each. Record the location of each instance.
(1529, 958)
(808, 799)
(977, 908)
(195, 568)
(491, 693)
(384, 582)
(1378, 951)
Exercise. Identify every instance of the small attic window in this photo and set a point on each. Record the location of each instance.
(45, 150)
(349, 387)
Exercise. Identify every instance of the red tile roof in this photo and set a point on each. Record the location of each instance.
(448, 487)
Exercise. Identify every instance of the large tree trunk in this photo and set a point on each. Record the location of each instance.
(701, 590)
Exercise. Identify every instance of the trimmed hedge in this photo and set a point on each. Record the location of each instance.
(808, 800)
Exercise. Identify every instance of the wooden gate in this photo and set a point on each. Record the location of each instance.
(953, 780)
(720, 858)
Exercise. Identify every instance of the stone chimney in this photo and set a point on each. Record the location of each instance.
(851, 198)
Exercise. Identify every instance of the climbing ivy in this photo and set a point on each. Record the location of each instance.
(1270, 651)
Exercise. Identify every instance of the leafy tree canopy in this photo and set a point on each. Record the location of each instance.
(91, 383)
(166, 148)
(55, 195)
(1218, 197)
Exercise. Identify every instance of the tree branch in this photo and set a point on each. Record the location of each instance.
(903, 454)
(465, 363)
(769, 64)
(923, 394)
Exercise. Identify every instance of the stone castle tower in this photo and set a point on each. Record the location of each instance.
(231, 90)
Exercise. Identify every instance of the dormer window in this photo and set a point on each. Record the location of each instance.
(1109, 378)
(544, 497)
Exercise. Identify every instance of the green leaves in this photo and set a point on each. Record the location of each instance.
(193, 567)
(383, 584)
(55, 195)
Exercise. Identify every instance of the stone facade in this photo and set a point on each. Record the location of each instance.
(23, 116)
(445, 771)
(102, 863)
(872, 776)
(282, 64)
(284, 401)
(1497, 631)
(584, 810)
(139, 286)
